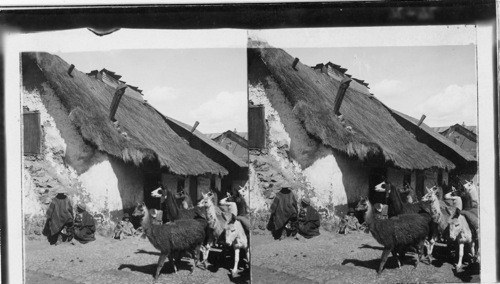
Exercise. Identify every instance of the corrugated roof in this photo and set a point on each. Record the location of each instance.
(445, 141)
(210, 142)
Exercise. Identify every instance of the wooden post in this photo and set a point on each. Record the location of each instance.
(421, 120)
(120, 90)
(71, 67)
(194, 126)
(295, 61)
(344, 84)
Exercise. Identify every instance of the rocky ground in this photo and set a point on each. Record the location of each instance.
(334, 258)
(106, 260)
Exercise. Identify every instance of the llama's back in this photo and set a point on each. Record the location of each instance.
(179, 235)
(405, 229)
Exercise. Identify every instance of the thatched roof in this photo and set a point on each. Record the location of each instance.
(88, 102)
(375, 133)
(437, 137)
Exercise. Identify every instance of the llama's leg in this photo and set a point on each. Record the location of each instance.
(171, 258)
(432, 241)
(236, 260)
(161, 261)
(396, 256)
(383, 259)
(460, 256)
(248, 256)
(206, 250)
(472, 249)
(196, 256)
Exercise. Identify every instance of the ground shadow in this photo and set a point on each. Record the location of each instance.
(141, 251)
(468, 273)
(243, 277)
(150, 269)
(365, 246)
(372, 263)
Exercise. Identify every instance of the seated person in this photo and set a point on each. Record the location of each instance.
(124, 228)
(349, 223)
(84, 225)
(308, 220)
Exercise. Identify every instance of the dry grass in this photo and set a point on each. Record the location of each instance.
(88, 101)
(376, 134)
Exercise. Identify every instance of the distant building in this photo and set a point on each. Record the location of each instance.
(463, 136)
(235, 142)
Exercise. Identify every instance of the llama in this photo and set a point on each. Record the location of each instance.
(217, 222)
(171, 211)
(174, 238)
(396, 234)
(462, 234)
(237, 238)
(440, 217)
(395, 202)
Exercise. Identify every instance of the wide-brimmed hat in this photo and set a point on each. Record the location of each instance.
(126, 216)
(306, 200)
(351, 210)
(81, 206)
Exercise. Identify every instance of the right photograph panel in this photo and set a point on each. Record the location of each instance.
(363, 155)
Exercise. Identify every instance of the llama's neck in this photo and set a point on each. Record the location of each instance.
(435, 209)
(146, 222)
(212, 219)
(369, 218)
(396, 200)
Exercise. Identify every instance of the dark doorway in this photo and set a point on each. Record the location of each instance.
(419, 186)
(193, 188)
(377, 175)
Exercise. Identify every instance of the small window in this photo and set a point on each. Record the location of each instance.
(256, 127)
(32, 132)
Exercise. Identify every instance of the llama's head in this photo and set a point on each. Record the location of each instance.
(207, 200)
(381, 187)
(469, 185)
(456, 225)
(233, 231)
(140, 210)
(157, 192)
(430, 196)
(362, 204)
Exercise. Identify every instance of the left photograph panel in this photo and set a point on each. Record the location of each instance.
(135, 166)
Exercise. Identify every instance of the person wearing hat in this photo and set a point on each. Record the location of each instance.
(84, 225)
(283, 210)
(381, 211)
(124, 228)
(59, 217)
(309, 219)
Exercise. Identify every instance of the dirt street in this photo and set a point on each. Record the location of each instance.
(333, 258)
(106, 260)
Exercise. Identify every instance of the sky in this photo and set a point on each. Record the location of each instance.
(201, 84)
(438, 81)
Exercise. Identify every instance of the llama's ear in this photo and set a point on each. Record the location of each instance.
(429, 190)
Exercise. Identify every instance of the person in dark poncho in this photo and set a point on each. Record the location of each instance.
(84, 225)
(283, 210)
(309, 219)
(59, 218)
